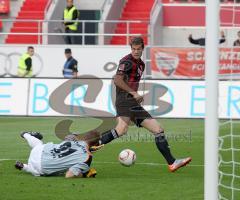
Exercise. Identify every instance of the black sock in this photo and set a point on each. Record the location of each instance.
(108, 136)
(163, 147)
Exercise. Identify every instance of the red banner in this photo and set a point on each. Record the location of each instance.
(190, 63)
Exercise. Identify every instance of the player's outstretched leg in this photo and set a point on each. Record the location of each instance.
(120, 129)
(108, 136)
(33, 138)
(163, 146)
(37, 135)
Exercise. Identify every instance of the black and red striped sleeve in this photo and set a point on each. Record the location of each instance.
(124, 67)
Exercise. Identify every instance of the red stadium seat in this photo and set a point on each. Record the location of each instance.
(30, 10)
(133, 10)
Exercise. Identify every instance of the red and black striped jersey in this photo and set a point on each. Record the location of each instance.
(132, 70)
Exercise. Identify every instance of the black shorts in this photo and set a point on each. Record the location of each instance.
(127, 106)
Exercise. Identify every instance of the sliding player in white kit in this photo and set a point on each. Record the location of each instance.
(72, 156)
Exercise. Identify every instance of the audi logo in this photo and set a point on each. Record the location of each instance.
(10, 64)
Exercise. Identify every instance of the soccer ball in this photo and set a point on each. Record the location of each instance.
(127, 157)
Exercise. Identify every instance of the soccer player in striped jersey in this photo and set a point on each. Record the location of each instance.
(129, 108)
(72, 156)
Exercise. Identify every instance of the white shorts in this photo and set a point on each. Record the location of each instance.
(34, 161)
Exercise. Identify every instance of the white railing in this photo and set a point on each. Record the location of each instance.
(156, 3)
(106, 2)
(59, 30)
(48, 6)
(155, 21)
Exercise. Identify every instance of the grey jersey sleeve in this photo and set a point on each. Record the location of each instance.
(79, 169)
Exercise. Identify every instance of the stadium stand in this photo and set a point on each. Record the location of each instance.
(180, 20)
(194, 15)
(133, 10)
(30, 10)
(177, 14)
(174, 14)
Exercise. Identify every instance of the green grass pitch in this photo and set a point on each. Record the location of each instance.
(147, 179)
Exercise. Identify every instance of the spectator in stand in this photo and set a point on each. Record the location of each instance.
(70, 67)
(70, 13)
(202, 41)
(237, 41)
(25, 63)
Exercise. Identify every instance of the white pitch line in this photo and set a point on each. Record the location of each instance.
(106, 162)
(141, 163)
(116, 163)
(6, 159)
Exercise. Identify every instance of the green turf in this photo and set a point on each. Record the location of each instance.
(147, 179)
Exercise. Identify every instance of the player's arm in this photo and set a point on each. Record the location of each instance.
(119, 81)
(69, 174)
(90, 174)
(77, 171)
(123, 69)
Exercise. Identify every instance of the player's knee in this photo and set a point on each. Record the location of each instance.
(125, 129)
(122, 129)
